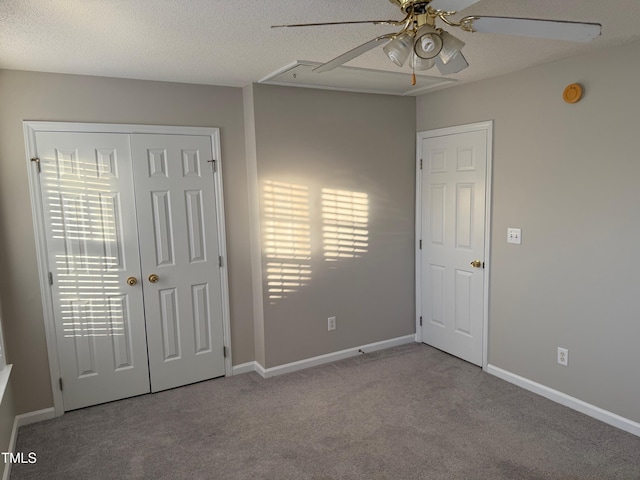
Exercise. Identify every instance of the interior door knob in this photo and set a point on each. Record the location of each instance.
(131, 281)
(153, 278)
(476, 264)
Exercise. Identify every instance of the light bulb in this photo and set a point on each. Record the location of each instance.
(428, 45)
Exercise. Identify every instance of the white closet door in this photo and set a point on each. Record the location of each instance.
(176, 208)
(92, 247)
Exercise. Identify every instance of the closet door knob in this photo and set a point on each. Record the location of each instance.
(131, 281)
(153, 278)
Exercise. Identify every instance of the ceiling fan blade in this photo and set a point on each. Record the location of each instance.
(452, 5)
(528, 27)
(374, 22)
(351, 54)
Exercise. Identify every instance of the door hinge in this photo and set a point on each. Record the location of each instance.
(213, 164)
(420, 321)
(37, 160)
(219, 260)
(50, 278)
(224, 352)
(420, 244)
(420, 164)
(60, 383)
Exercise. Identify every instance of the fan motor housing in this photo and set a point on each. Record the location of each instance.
(417, 6)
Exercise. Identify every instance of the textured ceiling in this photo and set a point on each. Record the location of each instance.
(225, 42)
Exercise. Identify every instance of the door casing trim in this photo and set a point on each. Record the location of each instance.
(439, 132)
(30, 128)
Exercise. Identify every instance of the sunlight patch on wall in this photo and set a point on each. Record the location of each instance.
(287, 237)
(345, 220)
(286, 278)
(84, 223)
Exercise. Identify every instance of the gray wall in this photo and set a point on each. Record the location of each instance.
(568, 176)
(41, 96)
(362, 143)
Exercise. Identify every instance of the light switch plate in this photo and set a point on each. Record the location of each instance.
(514, 235)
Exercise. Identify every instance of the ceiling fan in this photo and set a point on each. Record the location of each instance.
(425, 44)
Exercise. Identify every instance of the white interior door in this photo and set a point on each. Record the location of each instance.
(176, 203)
(87, 193)
(454, 173)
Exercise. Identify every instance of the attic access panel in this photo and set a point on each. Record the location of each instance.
(353, 79)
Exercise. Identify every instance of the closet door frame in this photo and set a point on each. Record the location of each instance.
(30, 129)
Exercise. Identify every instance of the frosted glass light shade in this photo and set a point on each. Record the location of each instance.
(428, 42)
(450, 47)
(422, 64)
(398, 49)
(455, 65)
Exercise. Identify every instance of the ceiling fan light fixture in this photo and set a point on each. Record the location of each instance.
(451, 46)
(428, 42)
(418, 63)
(398, 49)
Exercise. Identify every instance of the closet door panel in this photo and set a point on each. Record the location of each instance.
(176, 207)
(92, 249)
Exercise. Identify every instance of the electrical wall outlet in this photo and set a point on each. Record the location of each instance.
(563, 356)
(331, 323)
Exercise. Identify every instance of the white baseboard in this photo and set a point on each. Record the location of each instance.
(261, 370)
(581, 406)
(321, 359)
(332, 357)
(19, 421)
(34, 417)
(244, 368)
